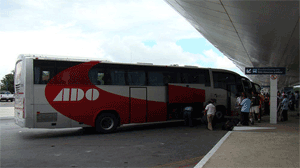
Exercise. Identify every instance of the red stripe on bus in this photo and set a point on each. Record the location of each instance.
(180, 94)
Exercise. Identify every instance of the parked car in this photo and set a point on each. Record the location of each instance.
(7, 96)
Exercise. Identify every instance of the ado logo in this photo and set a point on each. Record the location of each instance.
(76, 94)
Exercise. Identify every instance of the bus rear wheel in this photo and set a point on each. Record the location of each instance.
(106, 123)
(219, 116)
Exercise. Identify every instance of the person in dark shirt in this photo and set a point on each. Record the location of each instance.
(254, 111)
(246, 102)
(285, 104)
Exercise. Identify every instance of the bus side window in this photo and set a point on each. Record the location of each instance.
(185, 78)
(206, 78)
(42, 75)
(117, 77)
(45, 77)
(222, 79)
(155, 78)
(170, 77)
(136, 78)
(239, 88)
(37, 72)
(93, 76)
(98, 77)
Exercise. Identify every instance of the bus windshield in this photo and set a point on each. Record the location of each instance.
(247, 86)
(257, 88)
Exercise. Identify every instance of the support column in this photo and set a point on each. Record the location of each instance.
(273, 99)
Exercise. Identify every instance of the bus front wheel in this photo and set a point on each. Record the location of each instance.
(106, 123)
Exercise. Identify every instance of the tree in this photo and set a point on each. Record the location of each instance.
(8, 82)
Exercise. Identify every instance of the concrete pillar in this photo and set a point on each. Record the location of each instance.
(273, 99)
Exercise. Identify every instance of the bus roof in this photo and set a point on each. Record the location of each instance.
(84, 59)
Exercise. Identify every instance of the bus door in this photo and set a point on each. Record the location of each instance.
(232, 90)
(138, 104)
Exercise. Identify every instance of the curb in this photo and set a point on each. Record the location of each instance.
(212, 151)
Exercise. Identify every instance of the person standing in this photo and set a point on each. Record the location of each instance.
(278, 98)
(245, 110)
(292, 101)
(210, 110)
(238, 106)
(297, 99)
(238, 103)
(267, 104)
(285, 107)
(261, 104)
(254, 111)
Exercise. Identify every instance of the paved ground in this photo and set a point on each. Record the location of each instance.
(166, 145)
(151, 145)
(6, 112)
(260, 147)
(6, 104)
(6, 109)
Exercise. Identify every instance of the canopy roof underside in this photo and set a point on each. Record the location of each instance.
(250, 33)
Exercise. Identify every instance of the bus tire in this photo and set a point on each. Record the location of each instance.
(219, 116)
(106, 123)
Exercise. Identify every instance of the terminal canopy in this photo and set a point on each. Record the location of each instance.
(250, 33)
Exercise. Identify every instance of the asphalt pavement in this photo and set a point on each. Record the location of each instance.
(151, 145)
(147, 145)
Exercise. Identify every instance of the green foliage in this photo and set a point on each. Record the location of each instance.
(7, 83)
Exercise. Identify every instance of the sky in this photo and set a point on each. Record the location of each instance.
(120, 31)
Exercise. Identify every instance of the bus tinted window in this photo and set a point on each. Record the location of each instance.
(196, 77)
(257, 88)
(42, 75)
(45, 77)
(45, 70)
(63, 65)
(206, 77)
(239, 85)
(247, 86)
(155, 79)
(186, 78)
(136, 78)
(97, 76)
(117, 77)
(222, 79)
(171, 77)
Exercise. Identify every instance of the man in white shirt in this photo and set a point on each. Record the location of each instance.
(210, 109)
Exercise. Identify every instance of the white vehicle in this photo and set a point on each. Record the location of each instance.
(54, 92)
(6, 96)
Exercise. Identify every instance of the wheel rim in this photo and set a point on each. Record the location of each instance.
(219, 115)
(107, 123)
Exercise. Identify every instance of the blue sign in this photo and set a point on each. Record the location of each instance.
(265, 71)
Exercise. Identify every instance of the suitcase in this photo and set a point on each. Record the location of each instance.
(228, 125)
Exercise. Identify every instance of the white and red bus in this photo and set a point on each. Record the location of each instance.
(55, 92)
